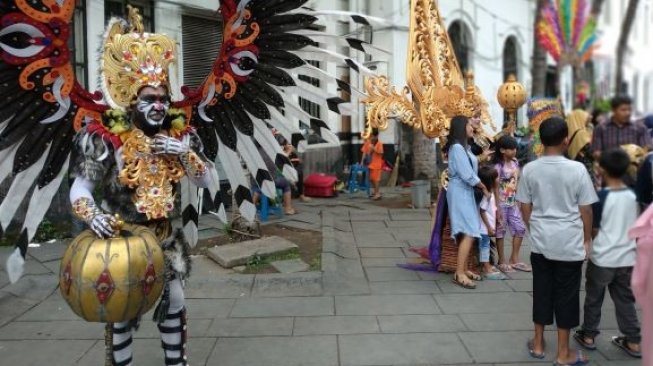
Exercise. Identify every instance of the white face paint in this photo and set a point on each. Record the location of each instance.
(153, 107)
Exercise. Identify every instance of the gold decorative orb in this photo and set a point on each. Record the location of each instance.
(112, 280)
(512, 94)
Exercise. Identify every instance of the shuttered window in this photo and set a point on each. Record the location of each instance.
(201, 40)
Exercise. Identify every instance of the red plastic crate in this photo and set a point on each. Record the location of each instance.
(320, 185)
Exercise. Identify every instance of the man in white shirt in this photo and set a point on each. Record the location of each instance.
(556, 195)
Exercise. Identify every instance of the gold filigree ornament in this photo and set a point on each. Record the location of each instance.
(152, 176)
(436, 91)
(132, 60)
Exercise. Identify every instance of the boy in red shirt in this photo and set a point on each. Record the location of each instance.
(374, 148)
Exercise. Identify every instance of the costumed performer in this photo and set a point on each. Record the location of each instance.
(580, 139)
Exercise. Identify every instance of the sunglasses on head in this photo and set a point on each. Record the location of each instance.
(163, 99)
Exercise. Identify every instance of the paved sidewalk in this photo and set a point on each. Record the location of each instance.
(360, 310)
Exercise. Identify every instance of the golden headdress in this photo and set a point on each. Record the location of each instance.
(437, 89)
(133, 59)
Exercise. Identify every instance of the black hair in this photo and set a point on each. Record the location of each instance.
(620, 100)
(458, 131)
(375, 132)
(505, 142)
(488, 175)
(553, 131)
(614, 162)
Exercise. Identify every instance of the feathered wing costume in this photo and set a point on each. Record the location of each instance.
(253, 85)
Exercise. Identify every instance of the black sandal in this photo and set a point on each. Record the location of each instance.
(580, 336)
(622, 343)
(466, 285)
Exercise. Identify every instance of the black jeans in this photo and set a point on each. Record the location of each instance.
(556, 290)
(617, 280)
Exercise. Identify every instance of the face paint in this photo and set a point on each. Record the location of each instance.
(153, 108)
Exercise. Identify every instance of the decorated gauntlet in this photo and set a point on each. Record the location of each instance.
(101, 223)
(193, 165)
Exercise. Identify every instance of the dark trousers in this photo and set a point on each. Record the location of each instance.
(617, 280)
(556, 291)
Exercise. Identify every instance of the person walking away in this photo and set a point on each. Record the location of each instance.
(556, 195)
(508, 211)
(463, 211)
(488, 206)
(642, 280)
(612, 257)
(580, 138)
(374, 149)
(620, 129)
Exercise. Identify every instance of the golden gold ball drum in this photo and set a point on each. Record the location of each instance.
(112, 280)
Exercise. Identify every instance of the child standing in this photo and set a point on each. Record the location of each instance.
(374, 149)
(556, 195)
(613, 257)
(508, 213)
(488, 176)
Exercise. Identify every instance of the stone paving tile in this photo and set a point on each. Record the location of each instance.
(403, 287)
(448, 287)
(358, 218)
(250, 327)
(34, 287)
(506, 347)
(13, 306)
(433, 276)
(209, 308)
(276, 351)
(410, 216)
(378, 240)
(420, 324)
(420, 225)
(149, 329)
(498, 322)
(388, 274)
(284, 306)
(382, 262)
(489, 303)
(296, 224)
(42, 352)
(43, 330)
(401, 349)
(630, 362)
(227, 286)
(335, 325)
(288, 284)
(147, 352)
(520, 285)
(53, 308)
(208, 267)
(381, 253)
(48, 251)
(386, 305)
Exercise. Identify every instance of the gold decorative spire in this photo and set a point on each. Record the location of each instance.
(436, 88)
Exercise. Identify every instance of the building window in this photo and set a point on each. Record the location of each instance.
(118, 8)
(77, 43)
(309, 107)
(201, 41)
(461, 40)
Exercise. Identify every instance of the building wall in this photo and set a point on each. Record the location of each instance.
(638, 69)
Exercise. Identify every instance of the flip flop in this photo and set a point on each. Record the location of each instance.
(469, 286)
(494, 276)
(579, 361)
(506, 268)
(622, 343)
(580, 336)
(534, 354)
(523, 267)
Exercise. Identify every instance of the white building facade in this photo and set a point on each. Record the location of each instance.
(491, 38)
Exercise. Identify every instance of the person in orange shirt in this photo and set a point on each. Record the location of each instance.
(373, 148)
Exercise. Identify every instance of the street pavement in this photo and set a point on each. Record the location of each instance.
(361, 309)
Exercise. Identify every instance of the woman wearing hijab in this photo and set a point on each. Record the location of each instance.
(579, 140)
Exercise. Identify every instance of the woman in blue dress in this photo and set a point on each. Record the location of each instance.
(464, 213)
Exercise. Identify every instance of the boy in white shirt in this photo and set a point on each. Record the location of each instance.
(612, 257)
(556, 196)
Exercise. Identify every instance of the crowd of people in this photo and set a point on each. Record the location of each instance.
(577, 203)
